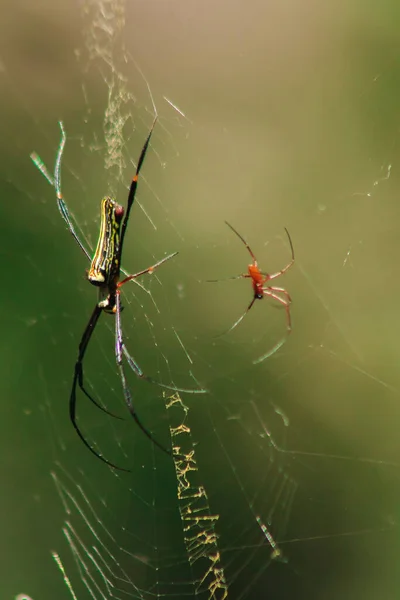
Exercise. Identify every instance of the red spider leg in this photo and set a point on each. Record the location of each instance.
(244, 242)
(270, 291)
(236, 323)
(270, 352)
(278, 273)
(242, 276)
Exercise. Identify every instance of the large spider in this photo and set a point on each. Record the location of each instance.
(104, 272)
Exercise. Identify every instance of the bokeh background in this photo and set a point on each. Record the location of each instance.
(291, 119)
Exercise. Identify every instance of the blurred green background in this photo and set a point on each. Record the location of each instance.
(291, 120)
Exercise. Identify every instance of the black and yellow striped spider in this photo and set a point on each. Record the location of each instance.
(104, 272)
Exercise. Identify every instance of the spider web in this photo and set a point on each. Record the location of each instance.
(284, 477)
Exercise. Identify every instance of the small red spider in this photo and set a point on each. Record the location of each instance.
(260, 289)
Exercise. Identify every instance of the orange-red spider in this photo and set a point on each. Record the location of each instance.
(260, 290)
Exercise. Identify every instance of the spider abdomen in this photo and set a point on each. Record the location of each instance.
(258, 280)
(105, 266)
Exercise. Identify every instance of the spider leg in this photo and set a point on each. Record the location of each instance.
(244, 242)
(78, 373)
(78, 379)
(287, 266)
(131, 361)
(55, 181)
(119, 350)
(139, 373)
(242, 276)
(240, 319)
(133, 188)
(148, 270)
(271, 291)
